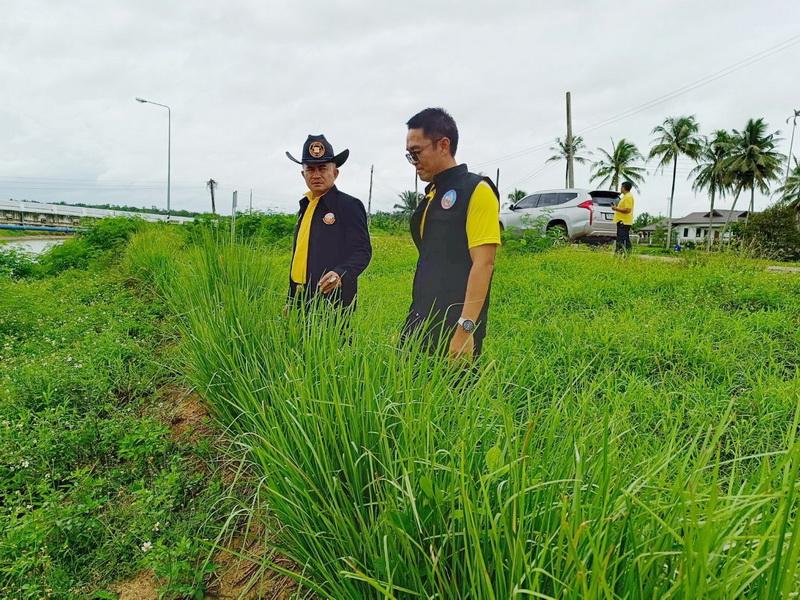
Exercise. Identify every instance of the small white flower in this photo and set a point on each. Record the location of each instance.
(146, 547)
(156, 526)
(25, 464)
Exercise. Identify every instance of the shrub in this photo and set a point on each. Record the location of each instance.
(15, 263)
(775, 232)
(74, 253)
(108, 234)
(269, 228)
(389, 222)
(534, 238)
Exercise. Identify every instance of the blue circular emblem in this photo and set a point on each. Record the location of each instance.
(449, 199)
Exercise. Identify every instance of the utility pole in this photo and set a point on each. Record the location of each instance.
(570, 165)
(251, 201)
(497, 180)
(211, 186)
(369, 199)
(791, 143)
(233, 217)
(416, 184)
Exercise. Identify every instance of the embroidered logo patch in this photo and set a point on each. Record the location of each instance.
(329, 219)
(449, 199)
(316, 149)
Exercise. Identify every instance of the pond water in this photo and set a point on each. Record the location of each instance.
(30, 245)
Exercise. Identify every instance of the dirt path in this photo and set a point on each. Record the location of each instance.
(673, 259)
(239, 573)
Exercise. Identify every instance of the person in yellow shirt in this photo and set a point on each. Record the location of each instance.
(456, 229)
(623, 217)
(331, 241)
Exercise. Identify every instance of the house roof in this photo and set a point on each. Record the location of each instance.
(720, 217)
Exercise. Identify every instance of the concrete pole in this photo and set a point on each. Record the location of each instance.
(570, 162)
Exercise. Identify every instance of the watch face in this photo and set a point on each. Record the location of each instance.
(468, 325)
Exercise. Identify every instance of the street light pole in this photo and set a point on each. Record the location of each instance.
(169, 146)
(791, 143)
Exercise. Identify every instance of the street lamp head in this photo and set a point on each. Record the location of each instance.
(140, 100)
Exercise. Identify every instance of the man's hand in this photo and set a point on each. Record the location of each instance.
(462, 344)
(329, 282)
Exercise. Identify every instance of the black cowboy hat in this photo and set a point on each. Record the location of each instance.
(318, 150)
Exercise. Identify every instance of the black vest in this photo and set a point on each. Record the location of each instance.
(440, 281)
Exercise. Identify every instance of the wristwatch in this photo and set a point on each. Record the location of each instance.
(467, 325)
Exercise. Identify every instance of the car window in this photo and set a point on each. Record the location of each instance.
(566, 197)
(605, 198)
(546, 200)
(528, 201)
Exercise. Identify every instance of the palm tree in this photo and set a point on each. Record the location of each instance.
(517, 195)
(617, 166)
(753, 161)
(211, 185)
(563, 151)
(790, 191)
(408, 202)
(677, 136)
(710, 173)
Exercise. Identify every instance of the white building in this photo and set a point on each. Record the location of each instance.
(695, 226)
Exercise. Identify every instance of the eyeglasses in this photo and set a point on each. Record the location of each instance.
(412, 156)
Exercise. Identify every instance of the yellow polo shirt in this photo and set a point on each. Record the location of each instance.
(300, 258)
(625, 202)
(483, 216)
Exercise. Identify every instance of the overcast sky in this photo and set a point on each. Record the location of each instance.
(247, 81)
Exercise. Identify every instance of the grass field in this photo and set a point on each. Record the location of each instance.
(94, 486)
(632, 432)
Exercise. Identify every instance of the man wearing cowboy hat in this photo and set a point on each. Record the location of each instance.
(331, 241)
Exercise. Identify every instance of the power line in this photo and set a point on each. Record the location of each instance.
(78, 180)
(529, 176)
(788, 43)
(698, 83)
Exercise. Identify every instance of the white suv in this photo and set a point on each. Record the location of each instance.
(569, 210)
(577, 212)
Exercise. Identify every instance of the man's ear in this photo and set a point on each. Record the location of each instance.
(444, 144)
(335, 173)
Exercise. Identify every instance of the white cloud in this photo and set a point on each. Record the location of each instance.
(247, 81)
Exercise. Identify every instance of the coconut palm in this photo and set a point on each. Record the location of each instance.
(710, 173)
(563, 151)
(517, 195)
(408, 202)
(753, 161)
(790, 190)
(677, 136)
(617, 165)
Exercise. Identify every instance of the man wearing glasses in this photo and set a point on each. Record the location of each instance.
(456, 229)
(331, 241)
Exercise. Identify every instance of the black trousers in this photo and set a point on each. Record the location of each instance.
(437, 333)
(623, 237)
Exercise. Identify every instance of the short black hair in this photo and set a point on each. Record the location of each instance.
(436, 123)
(627, 186)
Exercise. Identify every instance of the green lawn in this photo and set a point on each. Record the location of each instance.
(93, 487)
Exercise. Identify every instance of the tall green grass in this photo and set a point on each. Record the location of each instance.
(630, 433)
